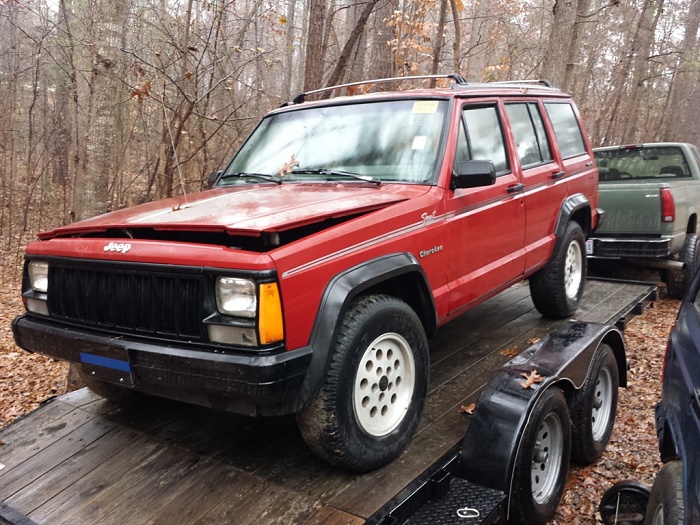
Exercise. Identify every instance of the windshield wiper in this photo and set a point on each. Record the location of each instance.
(339, 173)
(243, 174)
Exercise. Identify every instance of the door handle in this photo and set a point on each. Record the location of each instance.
(516, 188)
(558, 174)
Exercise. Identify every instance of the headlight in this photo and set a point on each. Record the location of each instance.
(236, 297)
(39, 276)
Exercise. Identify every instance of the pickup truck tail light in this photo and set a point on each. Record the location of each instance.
(668, 207)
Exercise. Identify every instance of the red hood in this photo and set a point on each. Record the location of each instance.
(248, 210)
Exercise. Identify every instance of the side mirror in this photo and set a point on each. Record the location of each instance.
(473, 174)
(213, 177)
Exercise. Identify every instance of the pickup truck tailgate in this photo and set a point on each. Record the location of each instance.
(631, 208)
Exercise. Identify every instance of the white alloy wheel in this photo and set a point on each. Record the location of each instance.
(573, 270)
(384, 384)
(547, 458)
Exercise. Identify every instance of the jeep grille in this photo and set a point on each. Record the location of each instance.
(141, 302)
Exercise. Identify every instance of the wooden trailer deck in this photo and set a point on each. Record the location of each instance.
(82, 460)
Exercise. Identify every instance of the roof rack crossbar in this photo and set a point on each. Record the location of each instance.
(459, 79)
(528, 81)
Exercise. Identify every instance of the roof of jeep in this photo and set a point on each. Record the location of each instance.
(460, 88)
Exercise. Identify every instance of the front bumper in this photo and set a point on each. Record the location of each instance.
(251, 384)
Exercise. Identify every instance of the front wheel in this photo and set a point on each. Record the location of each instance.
(557, 288)
(542, 461)
(594, 406)
(666, 499)
(372, 397)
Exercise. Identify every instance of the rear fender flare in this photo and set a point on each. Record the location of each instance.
(496, 427)
(572, 207)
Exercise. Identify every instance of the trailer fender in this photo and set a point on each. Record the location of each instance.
(562, 359)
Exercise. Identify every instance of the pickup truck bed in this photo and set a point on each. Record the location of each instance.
(80, 459)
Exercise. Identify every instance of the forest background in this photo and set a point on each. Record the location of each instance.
(105, 104)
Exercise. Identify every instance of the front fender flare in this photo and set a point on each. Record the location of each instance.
(339, 293)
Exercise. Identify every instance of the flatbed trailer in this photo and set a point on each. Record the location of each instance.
(79, 459)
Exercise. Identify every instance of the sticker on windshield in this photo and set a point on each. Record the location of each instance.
(419, 142)
(425, 106)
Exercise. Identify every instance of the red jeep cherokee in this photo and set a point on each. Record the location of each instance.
(309, 278)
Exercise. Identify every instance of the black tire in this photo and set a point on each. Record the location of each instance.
(371, 399)
(542, 461)
(593, 407)
(557, 288)
(679, 281)
(666, 499)
(114, 393)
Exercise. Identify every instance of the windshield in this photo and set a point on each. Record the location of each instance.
(656, 162)
(390, 141)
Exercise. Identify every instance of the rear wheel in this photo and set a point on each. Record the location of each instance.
(594, 406)
(542, 461)
(557, 288)
(372, 397)
(679, 281)
(666, 500)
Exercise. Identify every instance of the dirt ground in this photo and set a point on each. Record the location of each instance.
(26, 380)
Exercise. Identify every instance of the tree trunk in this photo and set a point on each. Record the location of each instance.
(313, 75)
(685, 125)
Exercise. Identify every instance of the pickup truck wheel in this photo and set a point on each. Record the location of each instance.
(542, 461)
(114, 393)
(372, 397)
(594, 406)
(666, 499)
(679, 281)
(557, 288)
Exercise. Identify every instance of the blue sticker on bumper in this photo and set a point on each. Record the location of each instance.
(106, 362)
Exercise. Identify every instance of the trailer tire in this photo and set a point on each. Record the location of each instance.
(557, 288)
(542, 461)
(114, 393)
(679, 281)
(593, 407)
(372, 396)
(666, 499)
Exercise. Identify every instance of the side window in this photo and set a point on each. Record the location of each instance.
(483, 138)
(566, 129)
(530, 136)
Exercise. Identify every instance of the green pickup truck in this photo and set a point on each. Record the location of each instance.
(651, 197)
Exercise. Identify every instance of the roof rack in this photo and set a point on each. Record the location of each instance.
(460, 81)
(542, 81)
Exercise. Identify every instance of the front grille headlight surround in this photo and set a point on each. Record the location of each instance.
(38, 273)
(236, 297)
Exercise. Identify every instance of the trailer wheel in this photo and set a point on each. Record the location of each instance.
(557, 288)
(372, 397)
(593, 407)
(666, 499)
(114, 393)
(679, 281)
(542, 461)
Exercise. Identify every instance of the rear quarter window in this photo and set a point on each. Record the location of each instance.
(566, 129)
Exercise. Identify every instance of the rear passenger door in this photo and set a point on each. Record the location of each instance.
(486, 224)
(542, 175)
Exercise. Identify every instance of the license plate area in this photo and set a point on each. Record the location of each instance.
(108, 363)
(589, 247)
